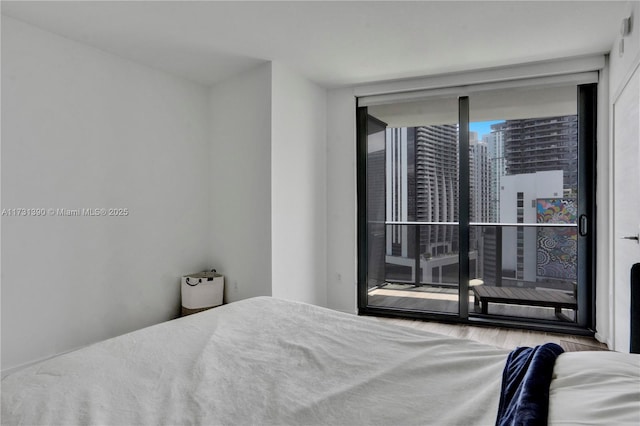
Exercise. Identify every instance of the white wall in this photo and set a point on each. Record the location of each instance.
(341, 200)
(603, 257)
(208, 175)
(240, 177)
(85, 129)
(268, 185)
(298, 187)
(621, 67)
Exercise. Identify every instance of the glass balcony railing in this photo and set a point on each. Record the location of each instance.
(419, 267)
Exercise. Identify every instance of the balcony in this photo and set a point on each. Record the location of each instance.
(432, 297)
(502, 257)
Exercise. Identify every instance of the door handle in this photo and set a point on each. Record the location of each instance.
(632, 237)
(582, 225)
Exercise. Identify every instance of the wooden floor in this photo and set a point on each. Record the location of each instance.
(501, 337)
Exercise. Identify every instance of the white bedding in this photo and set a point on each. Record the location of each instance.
(595, 388)
(266, 361)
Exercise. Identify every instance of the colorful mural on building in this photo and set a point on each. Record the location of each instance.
(557, 248)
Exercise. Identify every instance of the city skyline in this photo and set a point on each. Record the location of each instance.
(509, 159)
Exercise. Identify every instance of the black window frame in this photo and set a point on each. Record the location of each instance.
(586, 268)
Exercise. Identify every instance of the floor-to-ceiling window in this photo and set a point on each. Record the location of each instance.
(476, 205)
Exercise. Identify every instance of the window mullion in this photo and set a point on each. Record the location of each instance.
(463, 206)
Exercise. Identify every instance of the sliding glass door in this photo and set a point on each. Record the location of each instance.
(412, 186)
(477, 207)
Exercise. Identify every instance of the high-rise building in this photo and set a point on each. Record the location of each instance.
(420, 170)
(437, 187)
(480, 179)
(422, 178)
(481, 200)
(543, 144)
(519, 245)
(495, 149)
(533, 159)
(421, 181)
(400, 183)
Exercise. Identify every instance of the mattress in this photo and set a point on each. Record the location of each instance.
(273, 362)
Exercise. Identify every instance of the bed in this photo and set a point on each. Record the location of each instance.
(266, 361)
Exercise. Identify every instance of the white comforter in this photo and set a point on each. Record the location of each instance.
(263, 361)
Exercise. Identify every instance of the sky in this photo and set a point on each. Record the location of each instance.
(482, 127)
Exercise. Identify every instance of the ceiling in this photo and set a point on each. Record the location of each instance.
(332, 43)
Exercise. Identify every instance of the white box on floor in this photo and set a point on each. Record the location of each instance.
(202, 290)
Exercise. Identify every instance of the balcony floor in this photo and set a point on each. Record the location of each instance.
(445, 300)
